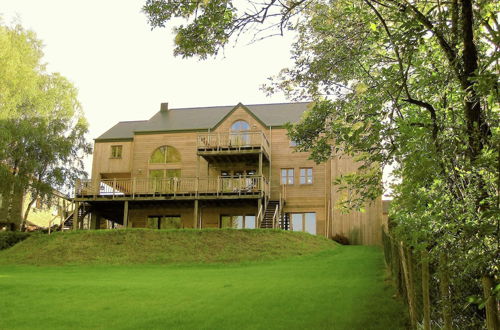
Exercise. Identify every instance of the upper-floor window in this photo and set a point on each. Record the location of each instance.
(165, 154)
(293, 143)
(306, 175)
(116, 151)
(287, 175)
(240, 125)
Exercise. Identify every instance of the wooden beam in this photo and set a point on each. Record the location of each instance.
(75, 215)
(195, 214)
(125, 214)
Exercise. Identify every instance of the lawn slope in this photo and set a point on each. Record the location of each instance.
(341, 289)
(143, 246)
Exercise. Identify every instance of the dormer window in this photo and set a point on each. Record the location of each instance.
(116, 151)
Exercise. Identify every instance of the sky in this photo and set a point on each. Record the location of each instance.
(124, 70)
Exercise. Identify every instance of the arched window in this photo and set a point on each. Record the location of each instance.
(239, 126)
(165, 154)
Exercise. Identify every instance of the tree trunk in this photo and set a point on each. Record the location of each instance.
(492, 321)
(426, 301)
(444, 288)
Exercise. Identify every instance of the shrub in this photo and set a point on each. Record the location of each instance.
(341, 239)
(10, 238)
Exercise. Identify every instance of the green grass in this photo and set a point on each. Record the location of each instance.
(146, 246)
(340, 288)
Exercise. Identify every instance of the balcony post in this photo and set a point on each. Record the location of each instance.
(114, 187)
(195, 214)
(75, 215)
(260, 162)
(134, 187)
(125, 214)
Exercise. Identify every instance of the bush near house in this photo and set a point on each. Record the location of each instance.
(10, 238)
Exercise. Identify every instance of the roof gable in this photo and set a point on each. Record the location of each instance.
(205, 118)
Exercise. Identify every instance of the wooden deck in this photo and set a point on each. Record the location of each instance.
(241, 187)
(244, 144)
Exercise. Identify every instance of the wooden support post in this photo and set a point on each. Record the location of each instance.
(492, 321)
(125, 214)
(260, 163)
(426, 300)
(95, 221)
(75, 215)
(409, 287)
(195, 214)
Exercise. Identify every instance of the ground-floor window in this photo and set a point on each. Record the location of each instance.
(304, 222)
(237, 221)
(164, 222)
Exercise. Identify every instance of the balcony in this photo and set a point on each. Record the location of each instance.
(241, 187)
(224, 146)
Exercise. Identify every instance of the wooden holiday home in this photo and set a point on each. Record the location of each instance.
(217, 167)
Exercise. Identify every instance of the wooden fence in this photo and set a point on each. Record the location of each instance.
(424, 281)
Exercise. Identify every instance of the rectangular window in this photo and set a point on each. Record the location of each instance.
(304, 222)
(164, 222)
(116, 151)
(238, 221)
(287, 176)
(306, 175)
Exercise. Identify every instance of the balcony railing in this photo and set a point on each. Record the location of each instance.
(135, 187)
(239, 141)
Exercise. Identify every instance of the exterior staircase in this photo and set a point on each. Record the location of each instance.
(83, 210)
(267, 220)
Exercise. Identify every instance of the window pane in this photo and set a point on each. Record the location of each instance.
(250, 221)
(171, 222)
(297, 222)
(152, 222)
(173, 155)
(310, 223)
(283, 176)
(238, 222)
(302, 180)
(158, 156)
(240, 125)
(173, 173)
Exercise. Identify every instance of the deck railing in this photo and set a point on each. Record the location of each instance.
(234, 185)
(232, 141)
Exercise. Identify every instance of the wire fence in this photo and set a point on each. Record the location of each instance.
(437, 295)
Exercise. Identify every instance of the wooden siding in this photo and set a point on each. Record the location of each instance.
(103, 163)
(363, 228)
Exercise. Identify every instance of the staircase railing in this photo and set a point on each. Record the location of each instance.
(275, 217)
(259, 217)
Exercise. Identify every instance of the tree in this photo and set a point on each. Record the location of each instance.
(408, 83)
(42, 126)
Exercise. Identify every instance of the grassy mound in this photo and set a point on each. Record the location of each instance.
(143, 246)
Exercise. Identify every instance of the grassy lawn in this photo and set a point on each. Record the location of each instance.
(341, 288)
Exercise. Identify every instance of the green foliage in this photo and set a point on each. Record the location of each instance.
(10, 238)
(342, 288)
(42, 127)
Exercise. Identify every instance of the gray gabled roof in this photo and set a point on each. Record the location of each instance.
(204, 118)
(122, 130)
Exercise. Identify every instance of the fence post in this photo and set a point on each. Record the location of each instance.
(444, 288)
(409, 291)
(426, 301)
(492, 321)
